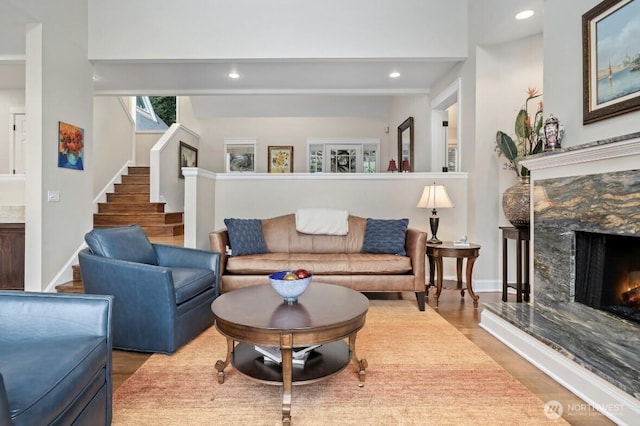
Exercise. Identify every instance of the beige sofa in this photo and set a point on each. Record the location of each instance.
(332, 259)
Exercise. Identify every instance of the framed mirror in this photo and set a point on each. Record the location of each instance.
(405, 146)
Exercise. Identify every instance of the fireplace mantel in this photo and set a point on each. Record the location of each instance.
(602, 150)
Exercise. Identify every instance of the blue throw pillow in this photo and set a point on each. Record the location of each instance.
(245, 236)
(385, 236)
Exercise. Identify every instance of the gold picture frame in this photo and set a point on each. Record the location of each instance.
(280, 159)
(611, 67)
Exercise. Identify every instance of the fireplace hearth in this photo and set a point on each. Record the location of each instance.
(608, 273)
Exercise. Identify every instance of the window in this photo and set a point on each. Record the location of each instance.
(452, 157)
(155, 113)
(240, 155)
(343, 156)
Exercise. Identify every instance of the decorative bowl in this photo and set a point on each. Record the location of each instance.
(290, 290)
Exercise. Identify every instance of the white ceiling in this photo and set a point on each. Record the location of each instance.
(491, 21)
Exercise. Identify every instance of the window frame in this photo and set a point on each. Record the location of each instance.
(361, 144)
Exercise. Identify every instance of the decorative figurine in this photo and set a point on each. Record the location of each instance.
(552, 133)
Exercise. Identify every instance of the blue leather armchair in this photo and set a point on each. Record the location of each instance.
(55, 359)
(162, 294)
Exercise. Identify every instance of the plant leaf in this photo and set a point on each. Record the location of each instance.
(521, 128)
(506, 145)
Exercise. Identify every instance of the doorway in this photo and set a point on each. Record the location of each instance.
(18, 123)
(445, 129)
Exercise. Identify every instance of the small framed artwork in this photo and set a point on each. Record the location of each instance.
(611, 60)
(240, 155)
(280, 159)
(188, 157)
(70, 146)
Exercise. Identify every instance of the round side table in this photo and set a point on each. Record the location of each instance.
(435, 253)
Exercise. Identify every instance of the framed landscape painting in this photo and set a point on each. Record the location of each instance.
(611, 59)
(280, 159)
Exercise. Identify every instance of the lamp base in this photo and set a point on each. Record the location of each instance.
(434, 240)
(434, 221)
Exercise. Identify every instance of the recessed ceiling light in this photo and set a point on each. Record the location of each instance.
(525, 14)
(234, 75)
(394, 74)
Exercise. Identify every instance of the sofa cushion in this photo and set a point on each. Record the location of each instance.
(39, 395)
(320, 263)
(128, 243)
(245, 236)
(385, 236)
(190, 282)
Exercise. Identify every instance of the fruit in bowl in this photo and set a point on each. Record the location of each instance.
(290, 284)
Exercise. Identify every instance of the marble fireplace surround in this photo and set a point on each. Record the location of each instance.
(593, 187)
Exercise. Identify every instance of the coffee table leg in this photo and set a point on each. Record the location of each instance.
(221, 365)
(361, 364)
(286, 347)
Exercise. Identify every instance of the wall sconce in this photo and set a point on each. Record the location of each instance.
(392, 166)
(434, 197)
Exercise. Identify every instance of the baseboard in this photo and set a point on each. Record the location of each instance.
(617, 405)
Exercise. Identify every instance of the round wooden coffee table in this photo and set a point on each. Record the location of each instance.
(325, 314)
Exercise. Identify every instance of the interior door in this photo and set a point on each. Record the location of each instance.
(19, 143)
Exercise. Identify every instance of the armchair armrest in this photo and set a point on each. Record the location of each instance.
(29, 316)
(416, 247)
(184, 257)
(219, 240)
(5, 413)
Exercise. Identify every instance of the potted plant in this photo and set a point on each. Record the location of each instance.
(516, 199)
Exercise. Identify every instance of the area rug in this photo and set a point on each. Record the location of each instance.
(422, 371)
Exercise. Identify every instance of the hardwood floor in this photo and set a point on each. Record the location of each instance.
(460, 313)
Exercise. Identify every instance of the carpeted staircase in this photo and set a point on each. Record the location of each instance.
(128, 205)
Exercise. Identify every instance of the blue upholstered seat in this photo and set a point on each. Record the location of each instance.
(162, 294)
(55, 359)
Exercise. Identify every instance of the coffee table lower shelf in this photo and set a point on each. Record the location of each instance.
(323, 362)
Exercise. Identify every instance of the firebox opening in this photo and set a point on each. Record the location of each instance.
(608, 273)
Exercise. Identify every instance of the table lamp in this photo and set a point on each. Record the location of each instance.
(434, 197)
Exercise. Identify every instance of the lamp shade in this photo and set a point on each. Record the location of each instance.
(434, 197)
(392, 166)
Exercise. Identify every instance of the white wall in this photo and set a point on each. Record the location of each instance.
(144, 142)
(294, 29)
(417, 107)
(58, 87)
(9, 98)
(279, 131)
(563, 76)
(113, 136)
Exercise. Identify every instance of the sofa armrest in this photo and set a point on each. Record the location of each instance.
(219, 240)
(416, 247)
